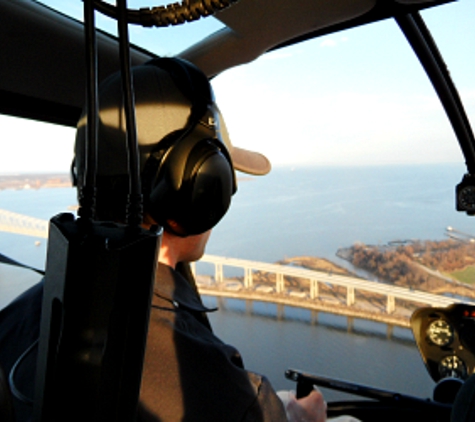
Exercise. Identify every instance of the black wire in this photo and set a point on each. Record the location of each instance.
(11, 376)
(87, 188)
(6, 260)
(134, 206)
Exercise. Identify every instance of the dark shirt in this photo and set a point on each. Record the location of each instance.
(19, 330)
(189, 374)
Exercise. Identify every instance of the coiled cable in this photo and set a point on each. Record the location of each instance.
(172, 14)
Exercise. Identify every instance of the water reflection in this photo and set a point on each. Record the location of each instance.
(274, 337)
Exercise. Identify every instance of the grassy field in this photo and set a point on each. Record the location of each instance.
(467, 275)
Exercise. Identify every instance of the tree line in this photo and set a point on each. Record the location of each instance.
(398, 265)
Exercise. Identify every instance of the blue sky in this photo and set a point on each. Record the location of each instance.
(354, 97)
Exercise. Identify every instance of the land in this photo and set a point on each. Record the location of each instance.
(34, 181)
(315, 263)
(53, 180)
(439, 267)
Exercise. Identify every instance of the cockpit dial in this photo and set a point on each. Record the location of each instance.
(452, 366)
(440, 332)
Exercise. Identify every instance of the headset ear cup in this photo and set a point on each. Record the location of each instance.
(203, 197)
(211, 192)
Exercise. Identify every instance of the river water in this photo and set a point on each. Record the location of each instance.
(360, 351)
(291, 212)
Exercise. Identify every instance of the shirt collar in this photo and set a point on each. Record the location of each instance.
(173, 287)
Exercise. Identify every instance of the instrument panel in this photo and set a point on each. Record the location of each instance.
(446, 340)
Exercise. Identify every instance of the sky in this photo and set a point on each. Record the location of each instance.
(357, 97)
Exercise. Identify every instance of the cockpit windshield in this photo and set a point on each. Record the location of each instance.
(365, 165)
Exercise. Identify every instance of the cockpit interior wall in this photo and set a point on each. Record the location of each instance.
(53, 44)
(248, 28)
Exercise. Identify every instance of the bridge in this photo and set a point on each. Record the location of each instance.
(315, 290)
(309, 294)
(12, 222)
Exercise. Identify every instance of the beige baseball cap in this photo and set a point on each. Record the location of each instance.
(161, 109)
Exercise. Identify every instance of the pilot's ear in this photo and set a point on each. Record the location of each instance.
(175, 228)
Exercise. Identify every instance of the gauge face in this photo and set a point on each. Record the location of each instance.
(452, 366)
(440, 332)
(467, 198)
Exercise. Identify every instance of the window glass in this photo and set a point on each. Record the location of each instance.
(364, 157)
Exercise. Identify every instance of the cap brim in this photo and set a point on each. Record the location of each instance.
(249, 161)
(244, 160)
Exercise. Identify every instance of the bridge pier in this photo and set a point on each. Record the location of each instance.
(218, 272)
(313, 288)
(279, 282)
(248, 277)
(350, 296)
(391, 305)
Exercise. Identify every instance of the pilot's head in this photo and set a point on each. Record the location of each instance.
(187, 161)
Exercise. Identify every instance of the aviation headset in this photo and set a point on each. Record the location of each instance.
(188, 178)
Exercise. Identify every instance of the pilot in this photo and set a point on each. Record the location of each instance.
(188, 178)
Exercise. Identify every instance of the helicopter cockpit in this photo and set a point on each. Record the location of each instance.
(52, 66)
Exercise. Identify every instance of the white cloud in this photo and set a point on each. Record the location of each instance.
(328, 42)
(333, 42)
(279, 55)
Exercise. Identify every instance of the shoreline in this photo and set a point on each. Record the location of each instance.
(34, 181)
(48, 180)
